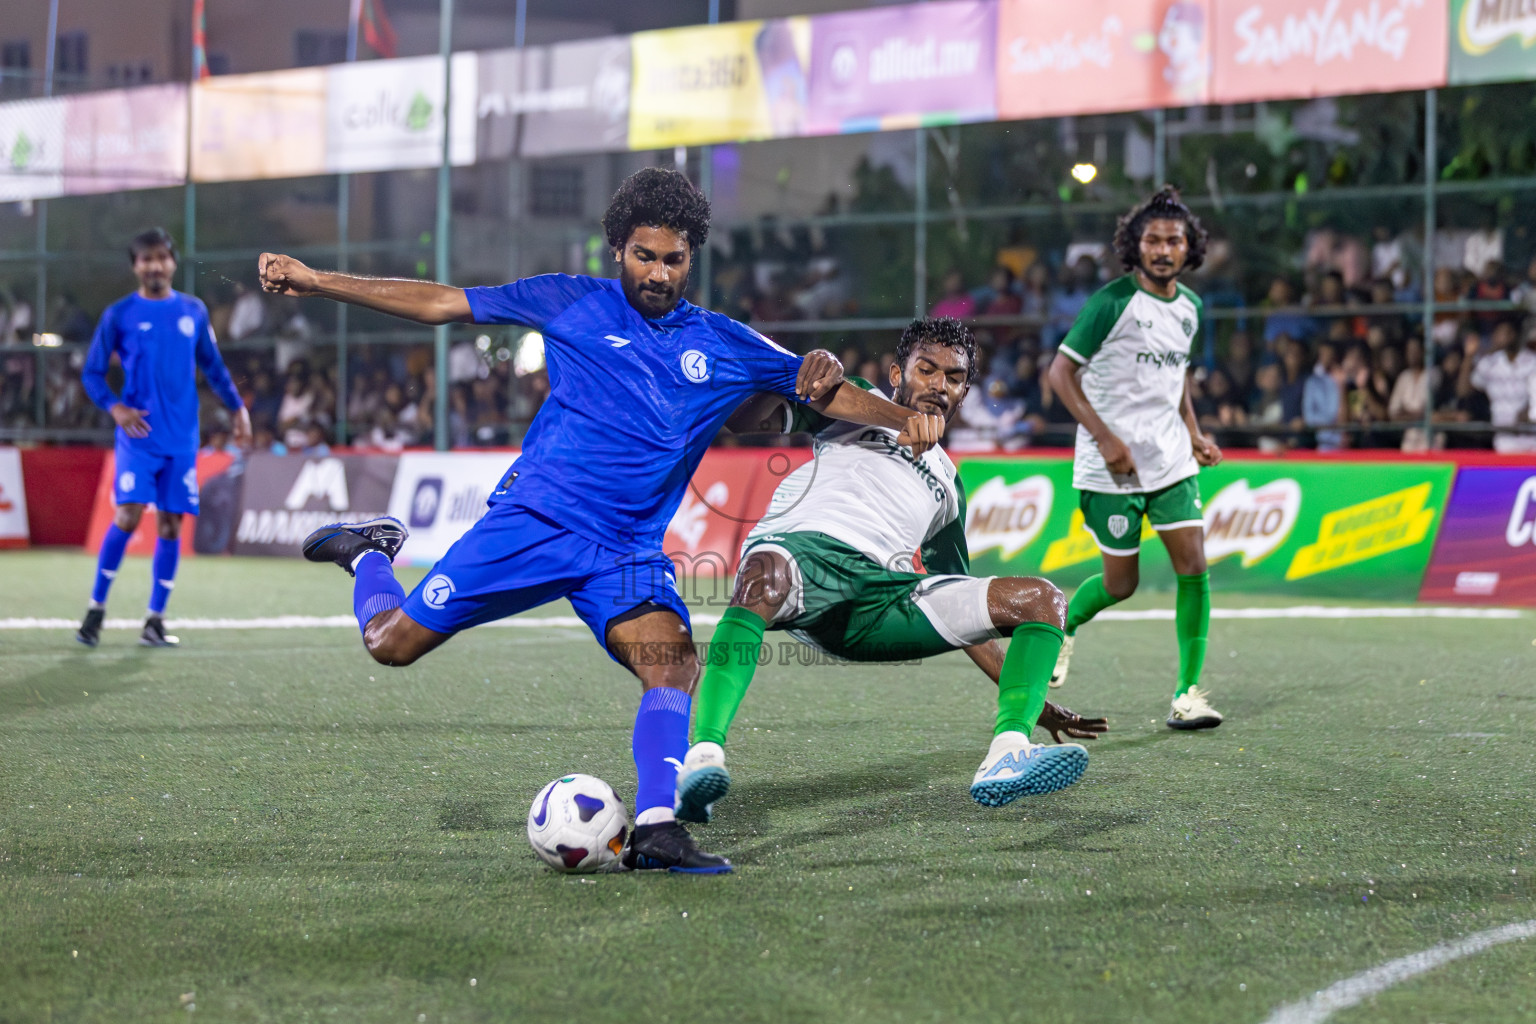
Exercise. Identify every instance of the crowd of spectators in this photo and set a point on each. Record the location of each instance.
(1333, 356)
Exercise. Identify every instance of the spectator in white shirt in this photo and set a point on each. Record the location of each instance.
(1506, 376)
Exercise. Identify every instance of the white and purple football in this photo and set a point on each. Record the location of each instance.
(577, 824)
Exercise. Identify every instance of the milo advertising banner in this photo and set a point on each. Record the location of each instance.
(1492, 41)
(1306, 528)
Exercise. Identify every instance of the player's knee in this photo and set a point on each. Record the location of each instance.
(1018, 600)
(764, 584)
(168, 525)
(127, 517)
(1121, 587)
(386, 644)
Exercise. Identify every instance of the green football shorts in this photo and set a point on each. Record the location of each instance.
(848, 605)
(1115, 519)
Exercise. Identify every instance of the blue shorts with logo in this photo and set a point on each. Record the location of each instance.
(515, 559)
(168, 482)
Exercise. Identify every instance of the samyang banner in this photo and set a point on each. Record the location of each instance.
(1354, 529)
(285, 498)
(1096, 56)
(1282, 49)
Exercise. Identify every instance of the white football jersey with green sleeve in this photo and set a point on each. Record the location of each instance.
(864, 489)
(1134, 349)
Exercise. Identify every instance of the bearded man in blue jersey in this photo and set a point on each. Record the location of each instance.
(641, 381)
(162, 338)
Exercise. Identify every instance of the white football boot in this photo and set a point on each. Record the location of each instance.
(700, 782)
(1063, 662)
(1016, 767)
(1193, 711)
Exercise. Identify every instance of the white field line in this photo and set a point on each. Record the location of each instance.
(704, 619)
(1366, 984)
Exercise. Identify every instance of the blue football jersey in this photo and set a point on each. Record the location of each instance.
(633, 403)
(162, 343)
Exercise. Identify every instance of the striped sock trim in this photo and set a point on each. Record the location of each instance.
(379, 603)
(666, 698)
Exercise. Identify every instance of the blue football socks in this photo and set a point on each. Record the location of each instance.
(376, 589)
(107, 563)
(163, 572)
(660, 743)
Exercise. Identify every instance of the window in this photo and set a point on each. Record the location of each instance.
(15, 67)
(71, 57)
(555, 192)
(311, 48)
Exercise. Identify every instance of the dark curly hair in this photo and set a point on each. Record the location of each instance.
(1166, 204)
(661, 198)
(938, 330)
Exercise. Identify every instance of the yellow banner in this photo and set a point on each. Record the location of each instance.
(270, 125)
(1078, 546)
(693, 86)
(1376, 527)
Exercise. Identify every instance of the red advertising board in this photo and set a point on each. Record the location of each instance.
(143, 541)
(1101, 55)
(1279, 49)
(1486, 551)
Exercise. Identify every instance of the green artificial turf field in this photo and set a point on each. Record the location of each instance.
(267, 826)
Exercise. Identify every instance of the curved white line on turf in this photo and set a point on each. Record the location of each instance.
(1363, 986)
(703, 619)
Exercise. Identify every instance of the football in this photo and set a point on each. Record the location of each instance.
(578, 823)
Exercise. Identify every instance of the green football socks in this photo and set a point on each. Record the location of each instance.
(1025, 676)
(1089, 599)
(727, 673)
(1192, 618)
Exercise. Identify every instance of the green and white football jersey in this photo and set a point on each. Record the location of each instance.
(864, 489)
(1134, 348)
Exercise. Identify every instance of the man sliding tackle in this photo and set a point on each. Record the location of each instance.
(831, 563)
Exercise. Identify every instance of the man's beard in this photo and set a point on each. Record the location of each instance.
(1161, 275)
(648, 302)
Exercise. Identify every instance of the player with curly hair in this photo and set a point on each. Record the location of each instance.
(831, 563)
(641, 381)
(1122, 371)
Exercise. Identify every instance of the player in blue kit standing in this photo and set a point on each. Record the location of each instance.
(162, 338)
(640, 381)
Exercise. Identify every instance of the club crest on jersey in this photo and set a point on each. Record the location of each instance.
(695, 366)
(125, 481)
(1118, 525)
(1189, 327)
(187, 326)
(437, 590)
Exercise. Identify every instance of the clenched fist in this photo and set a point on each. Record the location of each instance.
(284, 275)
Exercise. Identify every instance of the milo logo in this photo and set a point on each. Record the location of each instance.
(1252, 522)
(1485, 24)
(1008, 516)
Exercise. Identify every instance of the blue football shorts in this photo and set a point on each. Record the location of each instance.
(515, 559)
(168, 482)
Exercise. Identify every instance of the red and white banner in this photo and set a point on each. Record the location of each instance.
(13, 501)
(1280, 49)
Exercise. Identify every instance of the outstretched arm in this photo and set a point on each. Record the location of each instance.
(852, 403)
(765, 413)
(1055, 719)
(425, 302)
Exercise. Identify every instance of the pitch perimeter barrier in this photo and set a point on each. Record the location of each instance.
(1445, 529)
